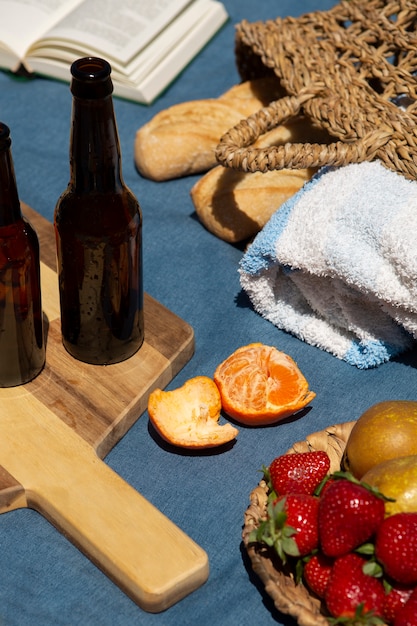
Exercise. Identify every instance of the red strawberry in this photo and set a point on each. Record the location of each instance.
(300, 472)
(291, 526)
(395, 599)
(317, 572)
(396, 547)
(349, 514)
(302, 515)
(407, 616)
(352, 593)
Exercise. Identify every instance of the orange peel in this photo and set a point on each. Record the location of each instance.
(188, 416)
(259, 385)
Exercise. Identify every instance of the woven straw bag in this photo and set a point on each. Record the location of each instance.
(291, 598)
(352, 70)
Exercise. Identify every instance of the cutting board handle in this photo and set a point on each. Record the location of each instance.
(137, 546)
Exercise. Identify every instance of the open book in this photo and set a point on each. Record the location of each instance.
(146, 43)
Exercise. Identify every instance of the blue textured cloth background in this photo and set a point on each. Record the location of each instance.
(44, 579)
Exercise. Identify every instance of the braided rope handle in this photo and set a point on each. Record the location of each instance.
(235, 149)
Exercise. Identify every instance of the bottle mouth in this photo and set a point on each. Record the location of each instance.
(91, 78)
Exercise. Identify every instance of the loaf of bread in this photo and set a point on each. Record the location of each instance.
(182, 139)
(235, 206)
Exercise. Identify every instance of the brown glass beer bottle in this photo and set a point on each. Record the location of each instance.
(22, 348)
(98, 227)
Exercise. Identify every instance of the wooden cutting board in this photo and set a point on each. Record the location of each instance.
(55, 430)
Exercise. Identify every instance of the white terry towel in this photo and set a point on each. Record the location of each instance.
(336, 265)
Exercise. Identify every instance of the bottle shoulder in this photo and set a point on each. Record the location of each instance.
(97, 202)
(20, 228)
(18, 243)
(97, 213)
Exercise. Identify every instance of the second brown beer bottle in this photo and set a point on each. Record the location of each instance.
(98, 227)
(22, 346)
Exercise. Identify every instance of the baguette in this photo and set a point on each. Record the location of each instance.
(182, 139)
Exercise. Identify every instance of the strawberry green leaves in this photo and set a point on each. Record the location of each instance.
(291, 527)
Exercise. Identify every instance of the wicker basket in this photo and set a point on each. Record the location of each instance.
(288, 597)
(352, 70)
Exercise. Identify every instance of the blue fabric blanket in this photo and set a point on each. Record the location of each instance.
(336, 265)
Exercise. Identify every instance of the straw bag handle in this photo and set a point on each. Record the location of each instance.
(236, 150)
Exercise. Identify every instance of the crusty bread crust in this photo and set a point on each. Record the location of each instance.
(181, 139)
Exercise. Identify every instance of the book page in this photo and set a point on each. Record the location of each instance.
(195, 18)
(24, 21)
(118, 29)
(154, 67)
(168, 67)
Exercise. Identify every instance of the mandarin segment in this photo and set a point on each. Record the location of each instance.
(260, 385)
(188, 416)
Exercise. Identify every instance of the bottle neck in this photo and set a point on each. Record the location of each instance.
(95, 159)
(10, 211)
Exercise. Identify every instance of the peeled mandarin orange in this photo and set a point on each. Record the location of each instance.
(260, 385)
(188, 416)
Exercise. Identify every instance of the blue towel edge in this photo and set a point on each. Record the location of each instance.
(262, 251)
